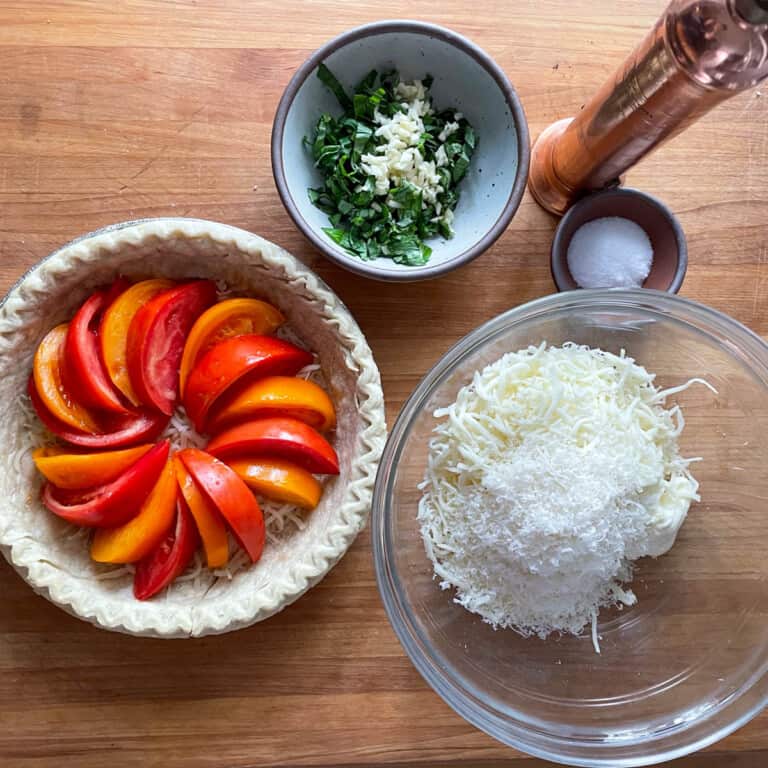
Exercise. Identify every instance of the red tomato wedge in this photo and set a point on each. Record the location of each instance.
(48, 374)
(169, 559)
(113, 331)
(156, 341)
(279, 480)
(106, 506)
(231, 497)
(119, 286)
(279, 437)
(115, 432)
(133, 540)
(232, 317)
(275, 396)
(85, 372)
(210, 524)
(229, 361)
(74, 471)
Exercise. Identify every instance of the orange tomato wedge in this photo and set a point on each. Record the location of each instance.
(209, 522)
(232, 317)
(276, 396)
(74, 471)
(113, 331)
(279, 480)
(47, 372)
(139, 536)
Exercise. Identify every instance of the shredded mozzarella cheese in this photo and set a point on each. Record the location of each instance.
(550, 473)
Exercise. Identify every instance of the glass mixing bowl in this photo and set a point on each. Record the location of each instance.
(684, 666)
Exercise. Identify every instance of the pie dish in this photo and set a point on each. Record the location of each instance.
(52, 556)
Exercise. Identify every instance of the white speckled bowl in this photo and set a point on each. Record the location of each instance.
(465, 78)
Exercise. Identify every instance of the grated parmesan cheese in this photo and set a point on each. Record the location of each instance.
(551, 472)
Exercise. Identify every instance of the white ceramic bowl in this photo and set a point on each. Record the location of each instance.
(465, 78)
(53, 556)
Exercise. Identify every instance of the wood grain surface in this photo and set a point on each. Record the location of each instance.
(119, 110)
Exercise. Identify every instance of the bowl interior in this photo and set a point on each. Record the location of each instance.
(663, 231)
(696, 641)
(460, 82)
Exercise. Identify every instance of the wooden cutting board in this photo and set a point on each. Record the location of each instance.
(120, 110)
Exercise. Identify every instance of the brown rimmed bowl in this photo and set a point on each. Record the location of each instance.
(465, 79)
(670, 251)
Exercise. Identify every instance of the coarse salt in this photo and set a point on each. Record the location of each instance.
(611, 252)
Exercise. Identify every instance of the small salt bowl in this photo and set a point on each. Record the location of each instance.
(670, 252)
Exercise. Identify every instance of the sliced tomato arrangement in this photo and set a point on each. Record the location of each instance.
(49, 376)
(111, 504)
(141, 534)
(286, 438)
(275, 396)
(74, 471)
(230, 361)
(230, 495)
(279, 480)
(169, 559)
(210, 524)
(85, 372)
(156, 341)
(114, 432)
(106, 385)
(113, 331)
(232, 317)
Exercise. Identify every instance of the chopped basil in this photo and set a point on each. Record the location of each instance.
(330, 81)
(370, 223)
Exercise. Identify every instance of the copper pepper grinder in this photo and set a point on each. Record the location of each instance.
(699, 53)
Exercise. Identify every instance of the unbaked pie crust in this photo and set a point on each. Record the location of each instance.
(42, 548)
